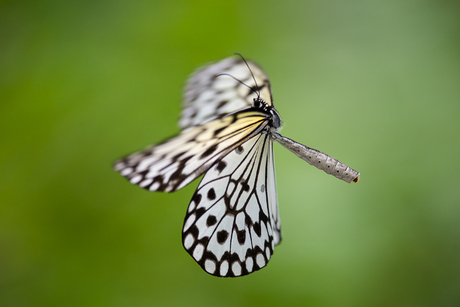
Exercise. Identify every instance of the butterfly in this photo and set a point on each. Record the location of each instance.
(228, 124)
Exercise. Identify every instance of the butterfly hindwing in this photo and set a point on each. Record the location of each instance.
(208, 96)
(232, 222)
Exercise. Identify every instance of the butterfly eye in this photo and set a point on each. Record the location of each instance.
(257, 102)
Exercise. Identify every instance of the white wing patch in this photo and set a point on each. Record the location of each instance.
(232, 222)
(207, 97)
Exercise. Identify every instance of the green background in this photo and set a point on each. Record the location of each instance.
(374, 84)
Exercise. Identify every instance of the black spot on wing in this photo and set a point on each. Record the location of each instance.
(221, 166)
(211, 194)
(248, 220)
(262, 188)
(196, 198)
(211, 220)
(209, 151)
(217, 131)
(199, 212)
(176, 157)
(257, 229)
(222, 236)
(234, 119)
(221, 104)
(245, 185)
(178, 176)
(241, 236)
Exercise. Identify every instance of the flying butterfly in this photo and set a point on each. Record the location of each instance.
(229, 124)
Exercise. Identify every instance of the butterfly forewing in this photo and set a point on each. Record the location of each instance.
(208, 96)
(232, 222)
(178, 161)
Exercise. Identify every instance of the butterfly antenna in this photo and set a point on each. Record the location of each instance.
(244, 60)
(218, 75)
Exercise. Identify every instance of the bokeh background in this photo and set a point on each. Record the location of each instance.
(374, 84)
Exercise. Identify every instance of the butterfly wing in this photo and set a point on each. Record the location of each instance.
(208, 96)
(232, 222)
(173, 164)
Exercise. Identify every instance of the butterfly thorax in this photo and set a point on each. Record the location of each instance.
(275, 119)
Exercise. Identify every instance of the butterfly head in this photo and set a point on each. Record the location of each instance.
(259, 103)
(275, 119)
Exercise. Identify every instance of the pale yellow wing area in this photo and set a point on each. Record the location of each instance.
(173, 164)
(208, 97)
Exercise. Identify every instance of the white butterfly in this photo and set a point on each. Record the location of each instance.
(229, 124)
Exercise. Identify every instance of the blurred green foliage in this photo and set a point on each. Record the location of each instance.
(374, 84)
